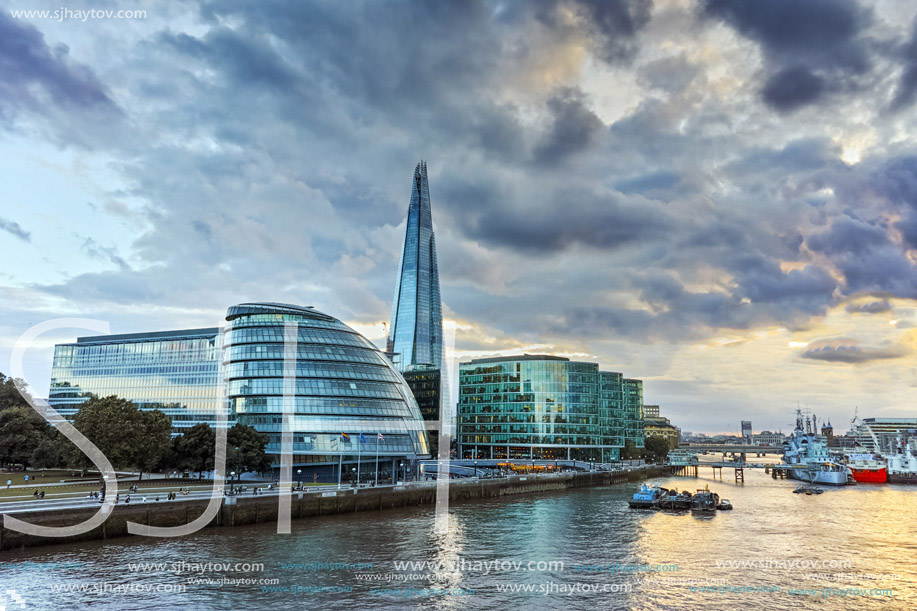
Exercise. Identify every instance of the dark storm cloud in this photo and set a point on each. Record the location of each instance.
(850, 353)
(873, 307)
(811, 47)
(793, 87)
(867, 257)
(573, 127)
(551, 218)
(611, 25)
(15, 229)
(36, 76)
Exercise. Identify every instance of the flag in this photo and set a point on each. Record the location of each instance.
(381, 437)
(362, 438)
(345, 435)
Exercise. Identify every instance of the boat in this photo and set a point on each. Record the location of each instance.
(646, 497)
(902, 461)
(705, 501)
(675, 500)
(867, 468)
(724, 505)
(807, 455)
(808, 490)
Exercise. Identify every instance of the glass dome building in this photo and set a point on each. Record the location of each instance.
(350, 409)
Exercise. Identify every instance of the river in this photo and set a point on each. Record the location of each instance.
(580, 549)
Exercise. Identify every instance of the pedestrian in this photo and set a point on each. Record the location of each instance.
(35, 494)
(157, 498)
(9, 483)
(144, 499)
(41, 494)
(127, 499)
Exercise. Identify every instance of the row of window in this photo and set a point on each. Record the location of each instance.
(275, 386)
(310, 369)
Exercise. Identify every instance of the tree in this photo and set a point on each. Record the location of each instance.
(49, 454)
(629, 450)
(152, 438)
(21, 432)
(657, 448)
(198, 448)
(9, 393)
(129, 437)
(246, 450)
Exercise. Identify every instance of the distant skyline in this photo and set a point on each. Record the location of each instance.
(715, 197)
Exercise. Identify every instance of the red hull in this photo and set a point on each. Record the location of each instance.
(873, 476)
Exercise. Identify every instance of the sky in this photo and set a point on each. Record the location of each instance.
(717, 197)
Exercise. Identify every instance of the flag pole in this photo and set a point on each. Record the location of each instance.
(376, 482)
(359, 450)
(340, 466)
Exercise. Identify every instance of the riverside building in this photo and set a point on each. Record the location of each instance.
(349, 408)
(542, 407)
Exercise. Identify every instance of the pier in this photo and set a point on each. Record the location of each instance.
(685, 463)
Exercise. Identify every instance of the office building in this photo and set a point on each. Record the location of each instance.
(542, 407)
(746, 431)
(416, 333)
(175, 372)
(347, 403)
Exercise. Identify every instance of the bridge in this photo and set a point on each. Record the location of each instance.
(736, 448)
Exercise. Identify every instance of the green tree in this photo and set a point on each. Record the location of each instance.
(198, 447)
(21, 432)
(629, 451)
(49, 454)
(9, 394)
(129, 437)
(246, 450)
(152, 439)
(656, 448)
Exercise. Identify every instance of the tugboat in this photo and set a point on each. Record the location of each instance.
(646, 497)
(705, 501)
(807, 453)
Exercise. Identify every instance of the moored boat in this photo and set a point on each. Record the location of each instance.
(705, 501)
(646, 497)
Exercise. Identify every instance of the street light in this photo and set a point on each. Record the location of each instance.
(401, 466)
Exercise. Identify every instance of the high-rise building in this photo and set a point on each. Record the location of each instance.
(349, 405)
(746, 431)
(546, 408)
(175, 372)
(416, 333)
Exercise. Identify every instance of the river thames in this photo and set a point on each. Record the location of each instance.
(852, 547)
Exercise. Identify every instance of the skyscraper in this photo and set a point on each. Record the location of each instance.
(416, 336)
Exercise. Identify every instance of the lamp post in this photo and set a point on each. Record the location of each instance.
(299, 477)
(232, 485)
(400, 467)
(353, 476)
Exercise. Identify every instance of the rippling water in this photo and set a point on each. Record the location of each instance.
(866, 533)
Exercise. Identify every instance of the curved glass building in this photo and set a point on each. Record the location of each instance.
(347, 403)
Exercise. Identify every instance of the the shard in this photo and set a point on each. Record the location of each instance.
(416, 335)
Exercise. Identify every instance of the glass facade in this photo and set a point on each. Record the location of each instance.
(546, 408)
(416, 333)
(344, 387)
(173, 371)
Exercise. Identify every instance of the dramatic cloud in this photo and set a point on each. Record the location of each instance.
(608, 178)
(848, 351)
(811, 47)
